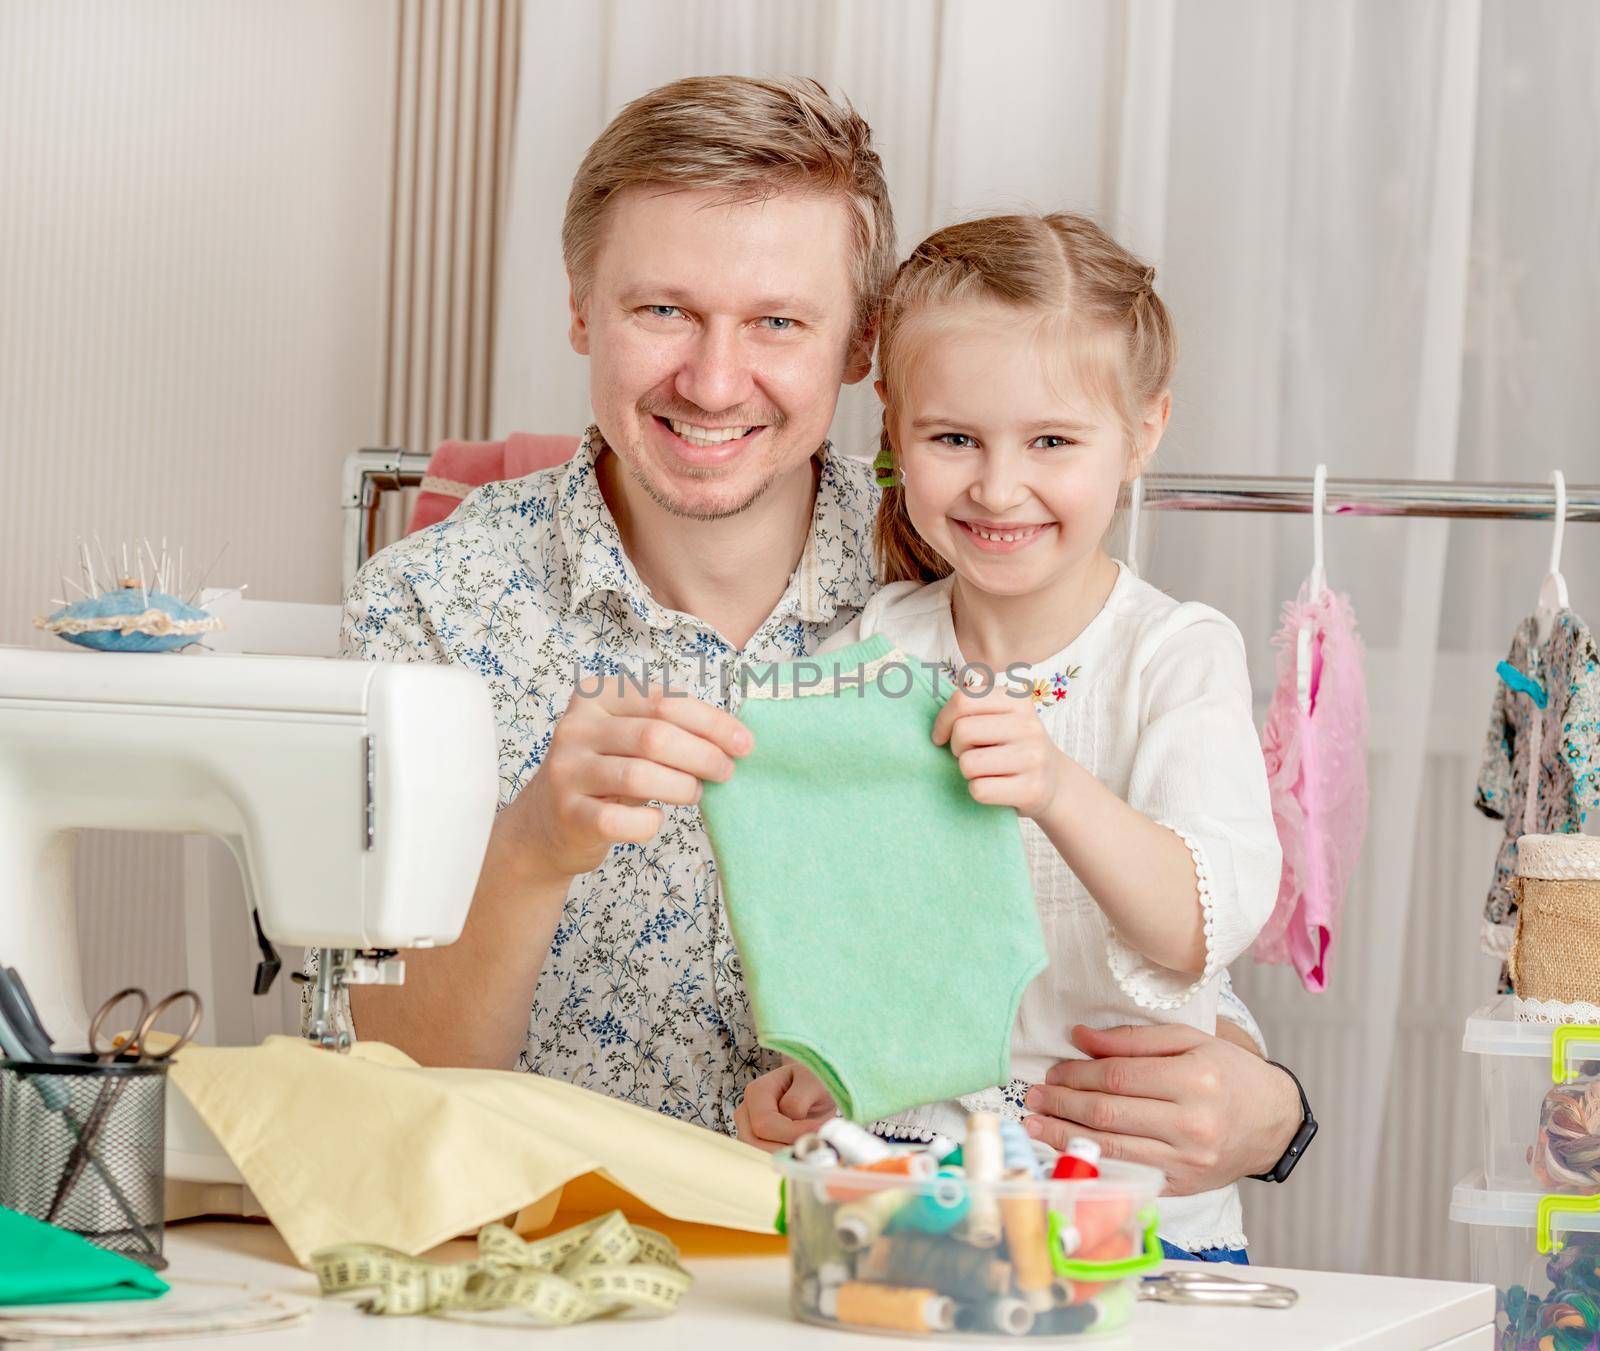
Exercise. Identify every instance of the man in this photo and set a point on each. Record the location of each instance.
(725, 240)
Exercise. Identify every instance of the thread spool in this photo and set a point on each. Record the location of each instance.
(915, 1166)
(1115, 1307)
(1017, 1152)
(811, 1149)
(815, 1152)
(984, 1159)
(1024, 1220)
(1094, 1219)
(937, 1207)
(1064, 1321)
(833, 1273)
(855, 1225)
(1079, 1162)
(921, 1260)
(1002, 1313)
(854, 1145)
(894, 1308)
(1113, 1249)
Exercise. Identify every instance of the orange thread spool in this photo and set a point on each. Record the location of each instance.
(1113, 1249)
(914, 1166)
(895, 1308)
(1095, 1218)
(1024, 1220)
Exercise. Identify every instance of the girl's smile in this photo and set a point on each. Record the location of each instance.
(996, 537)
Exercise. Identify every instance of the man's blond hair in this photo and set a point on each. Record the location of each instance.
(744, 139)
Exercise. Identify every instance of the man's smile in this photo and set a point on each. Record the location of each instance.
(703, 445)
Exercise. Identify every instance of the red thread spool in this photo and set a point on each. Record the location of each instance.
(1080, 1162)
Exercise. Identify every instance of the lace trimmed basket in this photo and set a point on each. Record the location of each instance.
(1555, 957)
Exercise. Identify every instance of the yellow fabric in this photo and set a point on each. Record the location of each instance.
(592, 1195)
(370, 1147)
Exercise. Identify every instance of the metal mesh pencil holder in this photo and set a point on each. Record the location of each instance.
(82, 1145)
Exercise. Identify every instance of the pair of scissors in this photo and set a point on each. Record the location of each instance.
(1210, 1287)
(135, 1044)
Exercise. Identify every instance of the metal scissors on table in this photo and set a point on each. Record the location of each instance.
(1210, 1287)
(135, 1045)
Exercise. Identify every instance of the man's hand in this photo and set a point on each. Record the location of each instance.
(611, 754)
(781, 1106)
(1202, 1110)
(1005, 754)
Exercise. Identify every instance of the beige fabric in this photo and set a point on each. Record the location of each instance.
(371, 1147)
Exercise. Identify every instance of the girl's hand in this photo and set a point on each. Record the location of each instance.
(1004, 752)
(781, 1106)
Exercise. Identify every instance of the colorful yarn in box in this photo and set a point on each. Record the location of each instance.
(1566, 1156)
(1568, 1318)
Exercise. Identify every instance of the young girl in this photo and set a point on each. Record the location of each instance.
(1025, 367)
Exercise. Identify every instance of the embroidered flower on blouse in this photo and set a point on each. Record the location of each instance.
(1052, 689)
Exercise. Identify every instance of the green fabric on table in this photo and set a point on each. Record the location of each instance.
(885, 920)
(47, 1265)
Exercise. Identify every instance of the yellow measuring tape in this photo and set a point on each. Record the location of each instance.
(598, 1268)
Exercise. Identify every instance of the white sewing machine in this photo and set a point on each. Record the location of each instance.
(357, 798)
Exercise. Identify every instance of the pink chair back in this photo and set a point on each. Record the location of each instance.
(458, 467)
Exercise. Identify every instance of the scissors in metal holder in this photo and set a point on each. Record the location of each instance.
(1210, 1287)
(110, 1091)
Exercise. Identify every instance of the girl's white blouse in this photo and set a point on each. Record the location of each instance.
(1157, 707)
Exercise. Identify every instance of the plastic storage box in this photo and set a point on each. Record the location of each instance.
(1518, 1069)
(1542, 1255)
(885, 1253)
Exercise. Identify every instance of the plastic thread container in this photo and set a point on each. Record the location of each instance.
(112, 1192)
(949, 1256)
(1542, 1255)
(1518, 1068)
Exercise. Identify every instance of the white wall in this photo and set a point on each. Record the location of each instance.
(193, 207)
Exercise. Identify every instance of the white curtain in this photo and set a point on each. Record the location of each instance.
(1378, 225)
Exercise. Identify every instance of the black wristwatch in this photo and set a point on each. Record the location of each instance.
(1302, 1137)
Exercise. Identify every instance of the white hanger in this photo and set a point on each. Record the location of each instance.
(1135, 506)
(1319, 510)
(1317, 584)
(1553, 590)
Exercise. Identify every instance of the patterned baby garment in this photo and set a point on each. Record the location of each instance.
(885, 919)
(1546, 716)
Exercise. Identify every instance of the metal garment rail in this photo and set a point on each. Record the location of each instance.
(370, 473)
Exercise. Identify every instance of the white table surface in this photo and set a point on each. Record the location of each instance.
(744, 1302)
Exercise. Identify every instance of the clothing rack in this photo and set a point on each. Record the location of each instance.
(1438, 498)
(368, 474)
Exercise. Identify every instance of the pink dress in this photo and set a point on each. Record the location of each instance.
(1317, 773)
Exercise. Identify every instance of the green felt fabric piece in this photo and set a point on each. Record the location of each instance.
(47, 1265)
(885, 920)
